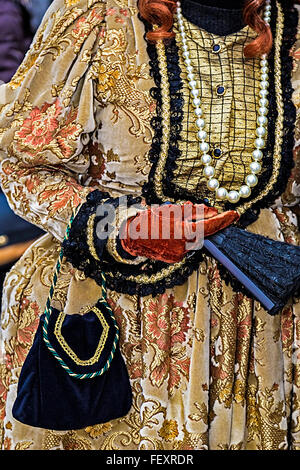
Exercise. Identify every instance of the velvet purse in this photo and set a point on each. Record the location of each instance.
(74, 375)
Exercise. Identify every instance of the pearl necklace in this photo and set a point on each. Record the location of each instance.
(262, 121)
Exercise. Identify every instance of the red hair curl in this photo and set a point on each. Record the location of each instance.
(161, 14)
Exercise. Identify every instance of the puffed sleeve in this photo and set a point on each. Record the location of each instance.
(47, 115)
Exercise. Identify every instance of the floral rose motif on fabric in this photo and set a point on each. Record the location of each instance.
(166, 328)
(84, 26)
(43, 130)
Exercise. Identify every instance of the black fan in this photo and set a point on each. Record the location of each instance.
(268, 269)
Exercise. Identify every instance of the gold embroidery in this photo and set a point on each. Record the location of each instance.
(83, 28)
(54, 43)
(142, 164)
(201, 414)
(112, 157)
(29, 60)
(70, 440)
(199, 334)
(70, 3)
(169, 430)
(24, 445)
(70, 352)
(107, 78)
(16, 108)
(166, 333)
(253, 415)
(272, 412)
(117, 75)
(238, 446)
(190, 440)
(144, 414)
(126, 4)
(98, 430)
(44, 128)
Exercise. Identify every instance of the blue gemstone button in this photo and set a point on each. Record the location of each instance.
(220, 90)
(217, 153)
(216, 48)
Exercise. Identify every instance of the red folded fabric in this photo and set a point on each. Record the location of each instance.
(163, 232)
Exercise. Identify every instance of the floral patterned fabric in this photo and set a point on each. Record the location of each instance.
(209, 368)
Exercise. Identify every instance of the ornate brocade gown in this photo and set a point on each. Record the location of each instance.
(209, 368)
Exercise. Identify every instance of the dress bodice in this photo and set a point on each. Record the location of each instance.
(229, 87)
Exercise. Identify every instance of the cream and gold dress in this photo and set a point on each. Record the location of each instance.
(209, 368)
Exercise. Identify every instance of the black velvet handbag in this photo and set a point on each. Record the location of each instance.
(74, 375)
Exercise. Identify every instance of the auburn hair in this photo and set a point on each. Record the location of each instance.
(161, 14)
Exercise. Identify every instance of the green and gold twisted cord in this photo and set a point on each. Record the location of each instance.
(48, 312)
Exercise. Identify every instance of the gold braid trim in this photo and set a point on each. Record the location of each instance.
(90, 237)
(153, 278)
(121, 216)
(70, 352)
(112, 249)
(166, 115)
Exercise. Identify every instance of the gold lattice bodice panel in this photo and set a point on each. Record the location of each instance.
(230, 117)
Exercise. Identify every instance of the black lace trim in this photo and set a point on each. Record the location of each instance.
(176, 111)
(169, 188)
(75, 248)
(118, 276)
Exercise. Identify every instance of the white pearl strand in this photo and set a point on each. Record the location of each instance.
(262, 121)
